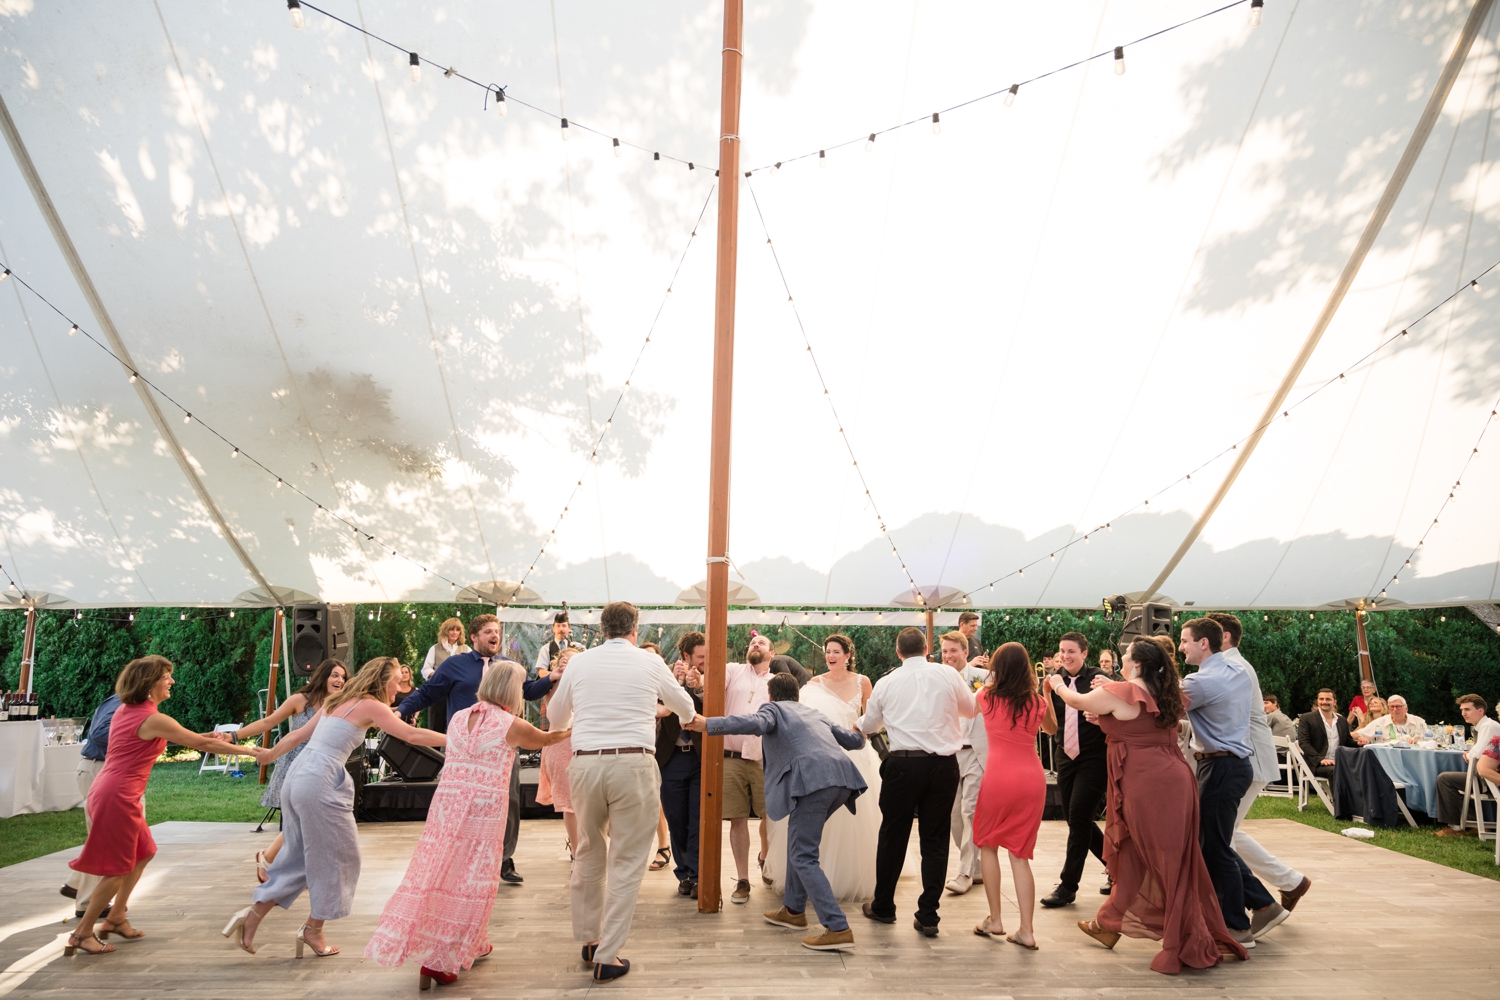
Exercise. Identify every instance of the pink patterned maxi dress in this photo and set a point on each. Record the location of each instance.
(441, 912)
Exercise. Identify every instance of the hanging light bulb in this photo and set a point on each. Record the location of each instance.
(656, 159)
(937, 126)
(617, 148)
(231, 612)
(182, 617)
(73, 329)
(1257, 8)
(132, 615)
(1119, 60)
(500, 108)
(448, 73)
(1020, 572)
(5, 275)
(565, 130)
(415, 62)
(870, 142)
(822, 157)
(235, 453)
(187, 418)
(371, 616)
(294, 10)
(692, 167)
(132, 378)
(1010, 95)
(278, 482)
(1405, 335)
(1286, 415)
(992, 587)
(1474, 284)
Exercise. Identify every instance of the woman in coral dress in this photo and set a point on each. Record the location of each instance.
(552, 784)
(1161, 886)
(440, 915)
(119, 843)
(1013, 792)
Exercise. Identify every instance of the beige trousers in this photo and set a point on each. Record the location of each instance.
(616, 800)
(87, 771)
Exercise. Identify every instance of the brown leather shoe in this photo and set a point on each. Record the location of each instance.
(831, 941)
(741, 892)
(869, 910)
(786, 918)
(1448, 831)
(1289, 899)
(1107, 938)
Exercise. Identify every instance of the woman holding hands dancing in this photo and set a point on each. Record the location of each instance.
(321, 853)
(1161, 886)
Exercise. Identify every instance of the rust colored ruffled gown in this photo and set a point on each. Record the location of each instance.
(1161, 886)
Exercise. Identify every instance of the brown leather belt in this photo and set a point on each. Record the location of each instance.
(612, 751)
(1200, 755)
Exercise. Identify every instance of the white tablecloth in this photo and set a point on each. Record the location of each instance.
(33, 776)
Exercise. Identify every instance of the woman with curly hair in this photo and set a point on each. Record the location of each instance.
(1161, 886)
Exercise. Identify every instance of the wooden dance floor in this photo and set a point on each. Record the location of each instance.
(1376, 924)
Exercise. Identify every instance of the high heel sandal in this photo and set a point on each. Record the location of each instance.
(75, 944)
(261, 864)
(235, 929)
(301, 941)
(430, 976)
(114, 927)
(1107, 938)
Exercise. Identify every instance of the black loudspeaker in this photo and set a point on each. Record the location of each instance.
(413, 763)
(312, 638)
(1143, 620)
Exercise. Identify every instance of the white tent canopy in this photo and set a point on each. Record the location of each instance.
(420, 315)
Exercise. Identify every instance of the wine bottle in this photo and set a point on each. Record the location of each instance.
(4, 706)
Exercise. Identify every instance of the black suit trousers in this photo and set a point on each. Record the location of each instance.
(1081, 785)
(922, 788)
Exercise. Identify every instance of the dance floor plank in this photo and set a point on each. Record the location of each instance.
(1376, 924)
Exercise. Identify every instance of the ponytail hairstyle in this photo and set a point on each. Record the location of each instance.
(1012, 680)
(1158, 669)
(370, 682)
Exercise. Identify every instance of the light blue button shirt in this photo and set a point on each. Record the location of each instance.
(1220, 695)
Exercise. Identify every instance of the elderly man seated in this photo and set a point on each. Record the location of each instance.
(1450, 784)
(1395, 726)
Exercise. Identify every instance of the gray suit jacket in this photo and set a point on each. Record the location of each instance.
(803, 752)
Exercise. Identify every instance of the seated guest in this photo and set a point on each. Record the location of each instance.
(1319, 732)
(1361, 704)
(1450, 784)
(1281, 726)
(1375, 708)
(1396, 725)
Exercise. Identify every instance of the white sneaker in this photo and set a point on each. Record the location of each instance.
(960, 884)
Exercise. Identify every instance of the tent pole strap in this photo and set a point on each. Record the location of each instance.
(1382, 211)
(711, 807)
(107, 325)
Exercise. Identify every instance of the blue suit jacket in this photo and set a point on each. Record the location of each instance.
(457, 680)
(803, 751)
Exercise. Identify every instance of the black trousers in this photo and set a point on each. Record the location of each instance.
(1222, 783)
(437, 716)
(513, 810)
(1081, 786)
(681, 779)
(922, 788)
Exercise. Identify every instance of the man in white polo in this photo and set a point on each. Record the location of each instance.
(970, 757)
(608, 696)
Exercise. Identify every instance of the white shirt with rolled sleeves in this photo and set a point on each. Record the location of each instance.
(608, 697)
(923, 706)
(744, 692)
(1262, 750)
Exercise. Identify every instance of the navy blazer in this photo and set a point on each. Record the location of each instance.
(803, 751)
(456, 680)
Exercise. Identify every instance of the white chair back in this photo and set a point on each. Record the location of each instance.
(1307, 779)
(1476, 794)
(220, 761)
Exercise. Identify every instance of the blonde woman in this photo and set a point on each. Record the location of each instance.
(321, 853)
(441, 912)
(450, 642)
(1375, 708)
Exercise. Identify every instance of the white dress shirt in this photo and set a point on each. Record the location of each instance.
(977, 737)
(439, 652)
(744, 692)
(923, 706)
(1262, 751)
(608, 696)
(1413, 726)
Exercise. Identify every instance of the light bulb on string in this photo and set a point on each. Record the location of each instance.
(822, 157)
(565, 130)
(870, 142)
(937, 126)
(235, 453)
(692, 169)
(187, 418)
(1286, 415)
(1119, 60)
(278, 483)
(231, 612)
(1474, 284)
(500, 108)
(1257, 8)
(415, 62)
(1010, 95)
(1405, 335)
(132, 378)
(5, 275)
(656, 159)
(294, 11)
(617, 148)
(72, 330)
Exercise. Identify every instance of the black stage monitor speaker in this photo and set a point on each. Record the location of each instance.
(312, 638)
(412, 762)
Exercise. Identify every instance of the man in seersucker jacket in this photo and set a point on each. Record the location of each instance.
(808, 777)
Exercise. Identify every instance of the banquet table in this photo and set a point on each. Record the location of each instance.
(1418, 770)
(36, 777)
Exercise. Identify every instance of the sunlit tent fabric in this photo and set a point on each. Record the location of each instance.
(423, 315)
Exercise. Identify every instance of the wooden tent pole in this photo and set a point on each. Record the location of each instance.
(276, 630)
(931, 641)
(1366, 668)
(711, 809)
(28, 652)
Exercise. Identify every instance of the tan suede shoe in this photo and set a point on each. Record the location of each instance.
(831, 941)
(786, 918)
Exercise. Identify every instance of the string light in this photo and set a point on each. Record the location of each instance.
(294, 9)
(1010, 94)
(500, 107)
(1257, 8)
(187, 418)
(1119, 60)
(870, 142)
(416, 67)
(822, 157)
(937, 129)
(565, 130)
(5, 275)
(132, 378)
(73, 330)
(617, 147)
(235, 453)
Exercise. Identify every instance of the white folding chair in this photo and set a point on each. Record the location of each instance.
(1287, 785)
(221, 761)
(1476, 794)
(1495, 793)
(1307, 779)
(1401, 802)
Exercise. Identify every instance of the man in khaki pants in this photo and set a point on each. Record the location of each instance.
(80, 887)
(608, 698)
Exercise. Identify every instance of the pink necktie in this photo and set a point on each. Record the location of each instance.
(1070, 725)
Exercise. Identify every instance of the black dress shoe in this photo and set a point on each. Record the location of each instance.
(866, 909)
(1061, 896)
(69, 891)
(688, 887)
(1108, 886)
(588, 952)
(923, 929)
(509, 874)
(604, 973)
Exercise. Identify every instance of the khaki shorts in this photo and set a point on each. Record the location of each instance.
(744, 788)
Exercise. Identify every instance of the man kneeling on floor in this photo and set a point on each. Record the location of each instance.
(808, 777)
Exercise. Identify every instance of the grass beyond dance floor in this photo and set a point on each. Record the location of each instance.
(1467, 854)
(175, 792)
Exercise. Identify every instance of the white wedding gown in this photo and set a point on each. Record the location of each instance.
(847, 855)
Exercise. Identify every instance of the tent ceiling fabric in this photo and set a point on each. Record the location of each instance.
(420, 314)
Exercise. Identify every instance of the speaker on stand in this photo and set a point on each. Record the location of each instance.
(312, 638)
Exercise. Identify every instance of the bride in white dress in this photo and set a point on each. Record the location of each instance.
(847, 855)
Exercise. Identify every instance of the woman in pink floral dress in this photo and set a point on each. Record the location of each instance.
(441, 912)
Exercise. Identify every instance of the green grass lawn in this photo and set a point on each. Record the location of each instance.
(175, 792)
(1467, 854)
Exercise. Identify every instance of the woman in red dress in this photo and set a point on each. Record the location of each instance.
(1014, 790)
(1161, 886)
(119, 842)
